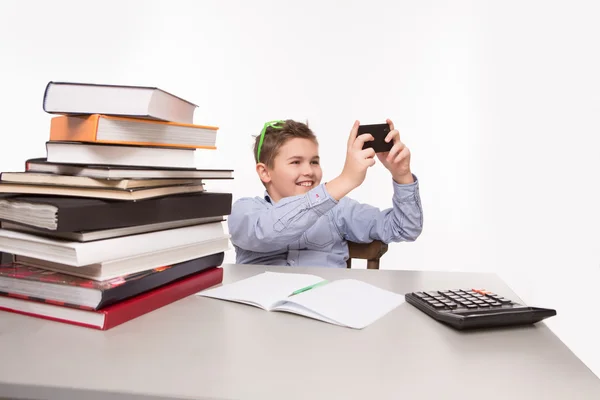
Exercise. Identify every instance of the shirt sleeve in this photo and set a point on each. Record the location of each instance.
(255, 226)
(363, 223)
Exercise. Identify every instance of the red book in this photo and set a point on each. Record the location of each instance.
(33, 283)
(118, 313)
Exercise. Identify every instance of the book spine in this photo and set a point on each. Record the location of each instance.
(46, 95)
(74, 129)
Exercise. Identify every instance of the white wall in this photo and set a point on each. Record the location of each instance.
(498, 102)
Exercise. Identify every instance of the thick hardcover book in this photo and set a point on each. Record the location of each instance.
(78, 254)
(89, 236)
(104, 271)
(77, 98)
(121, 312)
(98, 128)
(63, 289)
(120, 154)
(68, 214)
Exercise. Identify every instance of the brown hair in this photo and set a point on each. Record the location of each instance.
(276, 137)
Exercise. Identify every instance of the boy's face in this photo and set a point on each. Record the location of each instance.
(296, 169)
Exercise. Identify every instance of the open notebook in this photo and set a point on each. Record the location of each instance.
(345, 302)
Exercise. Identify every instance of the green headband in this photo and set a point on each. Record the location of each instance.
(272, 124)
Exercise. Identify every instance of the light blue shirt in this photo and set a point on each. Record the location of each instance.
(313, 229)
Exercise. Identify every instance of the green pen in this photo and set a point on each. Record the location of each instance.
(304, 289)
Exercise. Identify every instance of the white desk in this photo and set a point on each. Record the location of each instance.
(210, 349)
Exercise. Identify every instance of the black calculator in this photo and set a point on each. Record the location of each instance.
(475, 308)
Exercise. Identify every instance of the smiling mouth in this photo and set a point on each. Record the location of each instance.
(305, 183)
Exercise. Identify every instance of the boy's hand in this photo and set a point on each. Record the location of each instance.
(357, 159)
(355, 167)
(397, 160)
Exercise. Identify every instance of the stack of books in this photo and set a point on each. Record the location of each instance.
(115, 221)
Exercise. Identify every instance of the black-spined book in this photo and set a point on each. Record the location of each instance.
(72, 214)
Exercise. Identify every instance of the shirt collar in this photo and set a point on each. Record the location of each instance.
(267, 197)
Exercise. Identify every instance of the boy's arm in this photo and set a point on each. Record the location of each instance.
(364, 223)
(255, 226)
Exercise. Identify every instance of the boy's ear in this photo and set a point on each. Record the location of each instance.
(263, 173)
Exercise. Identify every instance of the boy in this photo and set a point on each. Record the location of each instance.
(299, 220)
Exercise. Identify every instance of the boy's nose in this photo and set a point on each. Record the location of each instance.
(307, 170)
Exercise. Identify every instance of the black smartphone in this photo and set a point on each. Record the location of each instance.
(379, 132)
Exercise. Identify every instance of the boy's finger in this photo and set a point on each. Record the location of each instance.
(396, 149)
(391, 135)
(390, 123)
(360, 141)
(368, 153)
(402, 155)
(353, 133)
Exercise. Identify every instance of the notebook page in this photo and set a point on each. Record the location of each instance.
(262, 290)
(300, 310)
(349, 302)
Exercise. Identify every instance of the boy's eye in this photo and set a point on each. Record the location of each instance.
(315, 162)
(296, 162)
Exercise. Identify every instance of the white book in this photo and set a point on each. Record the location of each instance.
(106, 270)
(345, 302)
(88, 236)
(123, 171)
(121, 155)
(83, 253)
(124, 100)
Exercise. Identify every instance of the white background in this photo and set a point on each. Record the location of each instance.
(498, 101)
